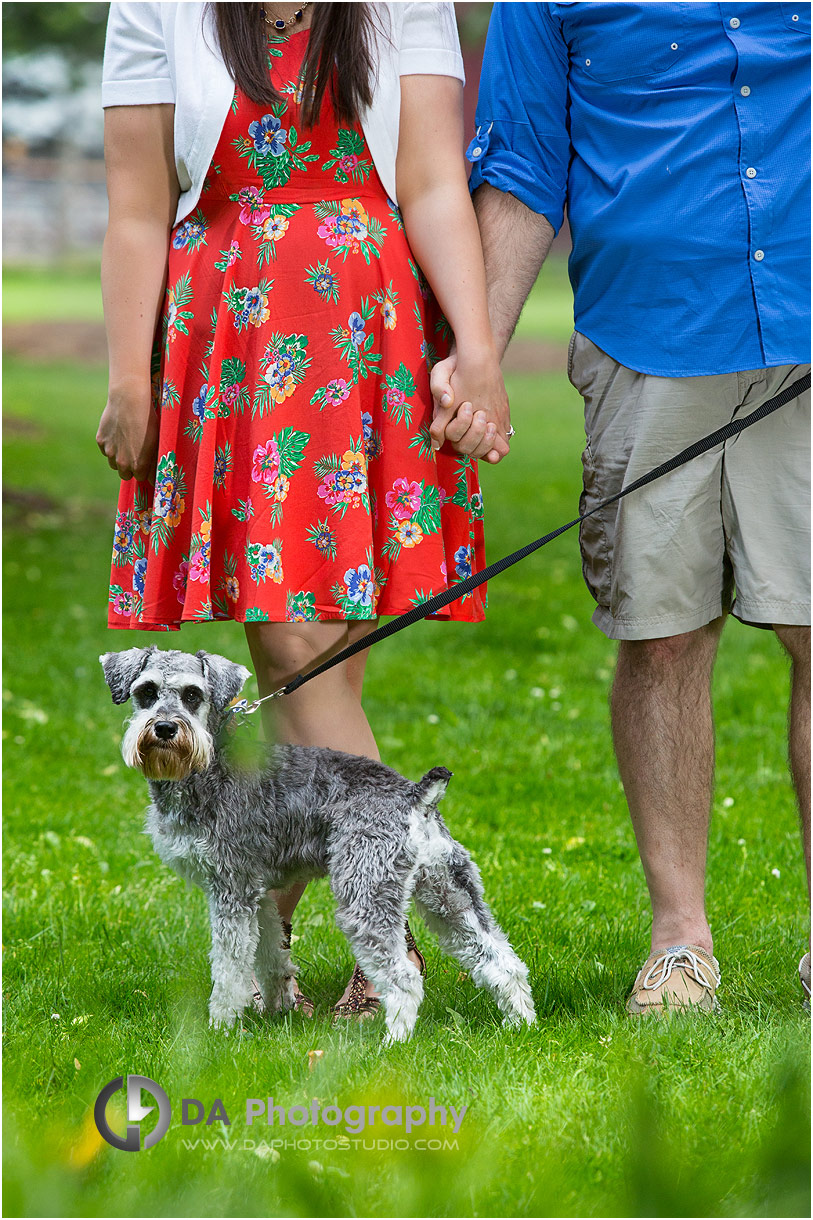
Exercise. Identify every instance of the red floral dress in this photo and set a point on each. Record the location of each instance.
(295, 477)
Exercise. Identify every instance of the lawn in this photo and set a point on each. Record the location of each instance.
(586, 1114)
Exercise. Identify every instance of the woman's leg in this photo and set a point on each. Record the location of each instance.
(326, 712)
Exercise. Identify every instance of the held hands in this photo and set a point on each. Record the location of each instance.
(471, 406)
(128, 432)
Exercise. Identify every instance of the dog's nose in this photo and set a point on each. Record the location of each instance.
(165, 729)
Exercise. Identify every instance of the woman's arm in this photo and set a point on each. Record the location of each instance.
(442, 231)
(143, 191)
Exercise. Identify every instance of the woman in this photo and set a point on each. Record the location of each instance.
(287, 192)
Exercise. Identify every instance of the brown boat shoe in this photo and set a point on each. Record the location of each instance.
(804, 979)
(678, 979)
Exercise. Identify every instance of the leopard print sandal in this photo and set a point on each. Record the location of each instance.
(302, 1003)
(359, 1006)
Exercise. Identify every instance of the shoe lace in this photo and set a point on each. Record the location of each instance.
(680, 958)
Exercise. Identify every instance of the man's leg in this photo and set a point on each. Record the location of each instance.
(796, 642)
(664, 740)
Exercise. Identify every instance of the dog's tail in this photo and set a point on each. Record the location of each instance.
(432, 787)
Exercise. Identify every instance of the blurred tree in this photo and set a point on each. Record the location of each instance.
(472, 23)
(75, 29)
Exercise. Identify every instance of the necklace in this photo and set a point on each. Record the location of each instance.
(279, 23)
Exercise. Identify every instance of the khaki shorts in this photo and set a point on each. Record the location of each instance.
(669, 558)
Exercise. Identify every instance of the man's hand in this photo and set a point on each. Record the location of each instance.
(471, 408)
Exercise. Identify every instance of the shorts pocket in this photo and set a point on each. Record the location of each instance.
(595, 533)
(570, 347)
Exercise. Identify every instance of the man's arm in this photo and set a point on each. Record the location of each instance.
(515, 244)
(519, 180)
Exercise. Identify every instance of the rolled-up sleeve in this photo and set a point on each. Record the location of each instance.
(429, 42)
(136, 68)
(522, 106)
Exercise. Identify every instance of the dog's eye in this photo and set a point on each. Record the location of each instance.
(192, 698)
(146, 694)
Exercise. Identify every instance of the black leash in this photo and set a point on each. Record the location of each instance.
(452, 594)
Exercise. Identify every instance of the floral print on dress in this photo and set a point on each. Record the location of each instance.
(347, 228)
(273, 150)
(347, 159)
(296, 480)
(190, 234)
(324, 283)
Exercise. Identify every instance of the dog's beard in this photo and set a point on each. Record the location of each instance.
(188, 751)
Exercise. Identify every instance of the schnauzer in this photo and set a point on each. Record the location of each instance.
(305, 813)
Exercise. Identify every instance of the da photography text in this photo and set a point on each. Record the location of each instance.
(257, 1112)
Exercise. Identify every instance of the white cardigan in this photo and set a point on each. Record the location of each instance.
(168, 53)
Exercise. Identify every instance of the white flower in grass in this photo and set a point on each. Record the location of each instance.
(775, 872)
(728, 801)
(546, 851)
(433, 719)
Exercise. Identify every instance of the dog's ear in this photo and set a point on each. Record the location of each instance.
(122, 668)
(224, 678)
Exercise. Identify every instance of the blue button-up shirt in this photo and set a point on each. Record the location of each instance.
(678, 135)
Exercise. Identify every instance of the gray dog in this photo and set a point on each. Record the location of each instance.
(306, 813)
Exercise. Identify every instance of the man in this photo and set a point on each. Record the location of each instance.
(678, 138)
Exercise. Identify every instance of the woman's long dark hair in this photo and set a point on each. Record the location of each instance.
(340, 37)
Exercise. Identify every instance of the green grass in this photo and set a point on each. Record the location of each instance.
(586, 1114)
(38, 294)
(72, 291)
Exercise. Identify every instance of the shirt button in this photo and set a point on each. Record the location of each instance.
(759, 255)
(795, 17)
(674, 46)
(750, 172)
(734, 23)
(745, 91)
(587, 61)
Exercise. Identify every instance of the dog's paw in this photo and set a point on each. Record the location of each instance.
(222, 1019)
(398, 1032)
(514, 1020)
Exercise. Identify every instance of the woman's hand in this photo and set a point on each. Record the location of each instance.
(471, 406)
(128, 432)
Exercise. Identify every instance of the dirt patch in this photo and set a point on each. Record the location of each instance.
(35, 510)
(535, 356)
(15, 426)
(85, 343)
(53, 342)
(28, 501)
